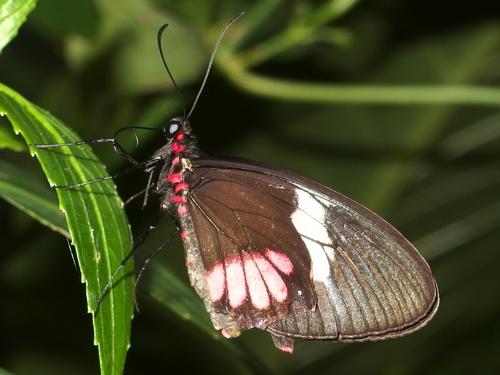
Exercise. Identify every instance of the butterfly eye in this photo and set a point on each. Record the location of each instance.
(171, 128)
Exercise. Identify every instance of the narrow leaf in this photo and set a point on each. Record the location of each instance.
(96, 221)
(23, 191)
(4, 372)
(13, 13)
(9, 141)
(166, 288)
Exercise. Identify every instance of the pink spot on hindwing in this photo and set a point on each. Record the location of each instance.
(272, 278)
(216, 281)
(250, 276)
(280, 260)
(184, 235)
(256, 286)
(236, 286)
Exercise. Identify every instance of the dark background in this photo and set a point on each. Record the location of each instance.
(430, 169)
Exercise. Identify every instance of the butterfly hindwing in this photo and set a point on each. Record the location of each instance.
(286, 254)
(255, 261)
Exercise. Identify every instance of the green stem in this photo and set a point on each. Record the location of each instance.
(276, 45)
(356, 94)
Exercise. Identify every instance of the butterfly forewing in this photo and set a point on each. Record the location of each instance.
(376, 284)
(286, 254)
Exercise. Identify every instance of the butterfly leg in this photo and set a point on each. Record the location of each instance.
(137, 244)
(146, 262)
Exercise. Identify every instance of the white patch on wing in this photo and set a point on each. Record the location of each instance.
(322, 273)
(330, 253)
(319, 261)
(309, 217)
(309, 221)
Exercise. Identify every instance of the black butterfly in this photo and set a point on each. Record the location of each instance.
(269, 249)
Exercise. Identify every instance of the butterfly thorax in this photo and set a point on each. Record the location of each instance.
(175, 165)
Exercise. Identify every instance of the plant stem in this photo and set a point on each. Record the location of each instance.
(356, 94)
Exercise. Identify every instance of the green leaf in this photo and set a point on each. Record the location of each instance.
(460, 232)
(9, 140)
(96, 221)
(12, 15)
(171, 292)
(166, 288)
(54, 19)
(257, 18)
(471, 137)
(4, 372)
(24, 191)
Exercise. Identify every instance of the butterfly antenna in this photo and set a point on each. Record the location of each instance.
(212, 57)
(178, 90)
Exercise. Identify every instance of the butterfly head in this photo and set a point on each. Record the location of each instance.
(174, 127)
(179, 140)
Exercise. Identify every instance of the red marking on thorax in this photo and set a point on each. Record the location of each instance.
(177, 148)
(181, 186)
(179, 199)
(174, 178)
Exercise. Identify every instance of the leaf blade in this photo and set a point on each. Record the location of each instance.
(24, 192)
(13, 13)
(96, 221)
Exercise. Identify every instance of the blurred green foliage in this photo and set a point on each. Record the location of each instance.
(392, 103)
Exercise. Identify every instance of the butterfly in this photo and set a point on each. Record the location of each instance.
(269, 249)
